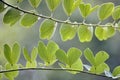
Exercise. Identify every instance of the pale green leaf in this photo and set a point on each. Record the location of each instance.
(76, 4)
(1, 7)
(28, 20)
(73, 55)
(15, 53)
(11, 16)
(116, 13)
(47, 29)
(26, 55)
(32, 64)
(111, 31)
(34, 54)
(105, 10)
(85, 33)
(35, 3)
(68, 31)
(101, 57)
(89, 56)
(116, 71)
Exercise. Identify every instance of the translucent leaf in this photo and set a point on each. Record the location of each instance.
(116, 13)
(11, 17)
(76, 4)
(85, 33)
(26, 55)
(68, 31)
(32, 64)
(61, 56)
(105, 10)
(11, 75)
(7, 53)
(52, 4)
(15, 53)
(116, 71)
(28, 20)
(73, 55)
(101, 57)
(111, 31)
(35, 3)
(34, 54)
(89, 56)
(47, 29)
(1, 7)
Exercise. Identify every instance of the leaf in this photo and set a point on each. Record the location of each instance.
(116, 13)
(35, 3)
(85, 33)
(73, 55)
(34, 54)
(28, 20)
(89, 56)
(61, 56)
(101, 57)
(111, 31)
(1, 7)
(26, 55)
(52, 4)
(32, 64)
(68, 31)
(116, 71)
(11, 17)
(105, 10)
(47, 29)
(15, 53)
(7, 53)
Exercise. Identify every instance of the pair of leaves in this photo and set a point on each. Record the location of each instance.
(71, 59)
(103, 33)
(35, 3)
(11, 17)
(86, 9)
(31, 60)
(52, 4)
(12, 54)
(70, 5)
(47, 53)
(47, 29)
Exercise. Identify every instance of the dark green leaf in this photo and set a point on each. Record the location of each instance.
(116, 13)
(68, 31)
(1, 7)
(35, 3)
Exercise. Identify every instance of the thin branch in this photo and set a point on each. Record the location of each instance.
(51, 69)
(47, 17)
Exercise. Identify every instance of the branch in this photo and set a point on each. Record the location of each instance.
(52, 69)
(47, 17)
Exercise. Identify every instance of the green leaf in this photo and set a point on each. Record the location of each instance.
(7, 53)
(73, 55)
(68, 31)
(52, 4)
(11, 17)
(35, 3)
(34, 54)
(61, 56)
(116, 71)
(105, 10)
(32, 64)
(89, 56)
(28, 20)
(116, 13)
(26, 55)
(111, 31)
(101, 57)
(85, 33)
(47, 29)
(15, 53)
(1, 7)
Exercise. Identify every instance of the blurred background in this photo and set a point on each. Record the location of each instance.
(29, 37)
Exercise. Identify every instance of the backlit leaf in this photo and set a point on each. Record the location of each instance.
(47, 29)
(116, 13)
(34, 54)
(116, 71)
(35, 3)
(26, 55)
(32, 64)
(28, 20)
(68, 31)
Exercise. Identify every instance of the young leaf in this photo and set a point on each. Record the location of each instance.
(105, 10)
(89, 56)
(73, 55)
(68, 31)
(34, 54)
(85, 33)
(61, 56)
(1, 7)
(47, 29)
(116, 71)
(101, 57)
(28, 20)
(32, 64)
(26, 55)
(35, 3)
(116, 13)
(11, 17)
(15, 53)
(52, 4)
(7, 53)
(110, 31)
